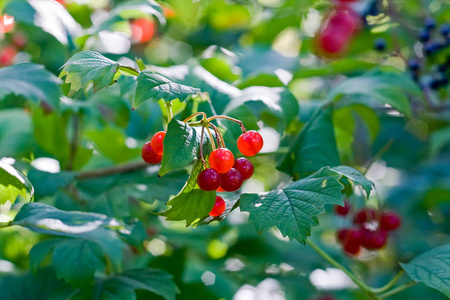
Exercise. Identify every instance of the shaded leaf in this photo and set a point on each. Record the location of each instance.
(155, 87)
(47, 184)
(31, 81)
(431, 268)
(294, 209)
(191, 203)
(356, 177)
(314, 148)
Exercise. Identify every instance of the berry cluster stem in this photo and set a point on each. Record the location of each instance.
(201, 147)
(228, 118)
(169, 111)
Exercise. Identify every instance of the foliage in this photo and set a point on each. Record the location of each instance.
(83, 217)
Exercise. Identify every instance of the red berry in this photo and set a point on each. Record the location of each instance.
(250, 143)
(157, 142)
(343, 210)
(352, 248)
(374, 240)
(149, 156)
(7, 55)
(390, 221)
(245, 167)
(220, 189)
(208, 180)
(219, 207)
(342, 234)
(364, 215)
(6, 23)
(142, 30)
(231, 180)
(330, 42)
(221, 160)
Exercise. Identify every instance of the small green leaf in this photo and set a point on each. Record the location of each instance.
(431, 268)
(314, 148)
(294, 208)
(88, 66)
(13, 183)
(181, 146)
(121, 286)
(47, 184)
(155, 87)
(191, 203)
(31, 81)
(356, 177)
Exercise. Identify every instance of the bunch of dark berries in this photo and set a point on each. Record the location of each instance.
(370, 231)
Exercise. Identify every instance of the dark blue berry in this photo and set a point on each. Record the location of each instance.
(380, 44)
(442, 68)
(413, 64)
(431, 48)
(445, 29)
(435, 84)
(424, 35)
(429, 23)
(372, 9)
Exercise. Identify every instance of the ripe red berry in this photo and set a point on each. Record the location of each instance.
(373, 240)
(221, 160)
(220, 189)
(232, 180)
(331, 42)
(390, 221)
(157, 142)
(250, 143)
(219, 207)
(208, 180)
(150, 156)
(6, 23)
(245, 167)
(364, 215)
(343, 210)
(142, 30)
(7, 55)
(342, 234)
(352, 248)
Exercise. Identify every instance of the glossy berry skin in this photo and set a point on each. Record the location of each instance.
(352, 248)
(245, 167)
(208, 180)
(413, 64)
(157, 142)
(374, 240)
(342, 234)
(250, 143)
(380, 44)
(222, 160)
(6, 23)
(445, 29)
(364, 215)
(231, 180)
(332, 43)
(219, 207)
(343, 210)
(389, 221)
(150, 156)
(351, 239)
(142, 30)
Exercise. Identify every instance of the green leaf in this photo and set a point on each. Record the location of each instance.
(16, 133)
(191, 203)
(13, 183)
(314, 148)
(384, 87)
(294, 208)
(88, 66)
(356, 177)
(51, 16)
(155, 87)
(100, 229)
(47, 184)
(181, 146)
(31, 81)
(431, 268)
(121, 286)
(230, 205)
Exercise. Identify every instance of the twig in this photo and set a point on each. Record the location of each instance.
(74, 142)
(398, 289)
(378, 155)
(122, 168)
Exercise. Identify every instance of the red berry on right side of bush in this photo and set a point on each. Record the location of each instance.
(352, 248)
(157, 142)
(221, 160)
(231, 180)
(142, 30)
(374, 240)
(250, 143)
(208, 180)
(343, 210)
(219, 207)
(150, 156)
(390, 221)
(245, 167)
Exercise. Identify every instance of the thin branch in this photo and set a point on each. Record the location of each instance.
(398, 289)
(122, 168)
(378, 155)
(389, 284)
(74, 142)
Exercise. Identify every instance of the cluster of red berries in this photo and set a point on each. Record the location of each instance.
(227, 174)
(371, 229)
(337, 30)
(152, 151)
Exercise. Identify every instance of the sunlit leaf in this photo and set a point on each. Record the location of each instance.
(13, 184)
